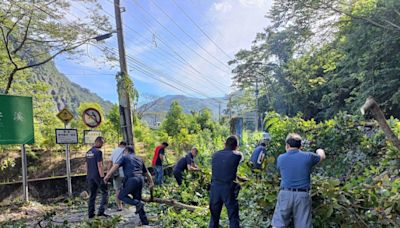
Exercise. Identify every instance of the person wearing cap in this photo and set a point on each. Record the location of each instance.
(224, 189)
(118, 176)
(295, 167)
(134, 172)
(95, 175)
(185, 163)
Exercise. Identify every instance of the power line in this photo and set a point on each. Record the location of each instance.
(147, 70)
(177, 38)
(180, 57)
(202, 31)
(187, 34)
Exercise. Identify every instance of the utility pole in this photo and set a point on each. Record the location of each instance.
(123, 94)
(219, 112)
(257, 107)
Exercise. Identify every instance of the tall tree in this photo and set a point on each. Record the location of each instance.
(46, 29)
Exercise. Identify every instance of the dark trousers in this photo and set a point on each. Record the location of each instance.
(133, 186)
(94, 186)
(224, 194)
(178, 177)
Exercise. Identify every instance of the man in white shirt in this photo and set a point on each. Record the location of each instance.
(117, 179)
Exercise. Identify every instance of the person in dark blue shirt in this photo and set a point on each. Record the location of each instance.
(134, 173)
(95, 174)
(295, 167)
(185, 163)
(258, 155)
(223, 188)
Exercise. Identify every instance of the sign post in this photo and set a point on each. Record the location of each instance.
(66, 116)
(16, 127)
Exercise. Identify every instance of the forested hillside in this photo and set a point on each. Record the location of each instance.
(322, 57)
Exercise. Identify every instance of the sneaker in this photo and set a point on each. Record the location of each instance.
(145, 223)
(103, 215)
(139, 207)
(91, 216)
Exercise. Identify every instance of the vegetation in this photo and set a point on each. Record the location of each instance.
(314, 67)
(321, 57)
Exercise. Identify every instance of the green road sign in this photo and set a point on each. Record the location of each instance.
(16, 120)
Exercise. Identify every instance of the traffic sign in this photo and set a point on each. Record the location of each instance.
(90, 136)
(65, 115)
(91, 117)
(16, 120)
(66, 136)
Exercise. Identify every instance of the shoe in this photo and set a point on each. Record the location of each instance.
(145, 223)
(103, 215)
(91, 216)
(139, 207)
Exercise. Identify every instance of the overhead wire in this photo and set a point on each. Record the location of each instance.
(201, 30)
(216, 84)
(188, 35)
(177, 38)
(152, 71)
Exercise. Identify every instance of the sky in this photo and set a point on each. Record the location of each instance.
(172, 46)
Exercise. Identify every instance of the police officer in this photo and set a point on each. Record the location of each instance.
(134, 172)
(95, 174)
(185, 163)
(223, 188)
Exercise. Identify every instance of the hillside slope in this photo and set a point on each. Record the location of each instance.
(65, 92)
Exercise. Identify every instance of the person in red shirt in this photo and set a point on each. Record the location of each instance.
(157, 163)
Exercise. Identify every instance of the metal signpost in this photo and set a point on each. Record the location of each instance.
(16, 127)
(66, 116)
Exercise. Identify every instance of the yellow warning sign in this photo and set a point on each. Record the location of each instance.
(65, 115)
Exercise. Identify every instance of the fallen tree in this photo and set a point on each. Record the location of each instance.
(172, 203)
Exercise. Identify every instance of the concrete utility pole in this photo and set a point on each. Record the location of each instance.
(257, 108)
(123, 94)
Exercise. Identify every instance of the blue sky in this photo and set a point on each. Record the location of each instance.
(162, 40)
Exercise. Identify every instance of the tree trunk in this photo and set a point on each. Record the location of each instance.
(373, 106)
(173, 203)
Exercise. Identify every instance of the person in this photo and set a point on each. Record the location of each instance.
(95, 174)
(157, 162)
(294, 201)
(118, 175)
(134, 172)
(257, 157)
(224, 189)
(185, 163)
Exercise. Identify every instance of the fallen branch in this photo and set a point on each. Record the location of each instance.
(372, 105)
(173, 203)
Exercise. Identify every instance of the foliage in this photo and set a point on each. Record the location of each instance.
(321, 57)
(357, 186)
(35, 26)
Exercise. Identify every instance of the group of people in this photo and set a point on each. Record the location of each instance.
(129, 172)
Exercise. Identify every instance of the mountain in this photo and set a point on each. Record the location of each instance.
(188, 104)
(65, 92)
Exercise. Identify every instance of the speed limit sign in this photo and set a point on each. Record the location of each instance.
(91, 117)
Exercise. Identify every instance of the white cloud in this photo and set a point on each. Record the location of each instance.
(235, 25)
(222, 6)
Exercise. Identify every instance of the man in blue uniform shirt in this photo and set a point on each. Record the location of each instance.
(294, 201)
(258, 155)
(134, 172)
(95, 174)
(185, 163)
(223, 189)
